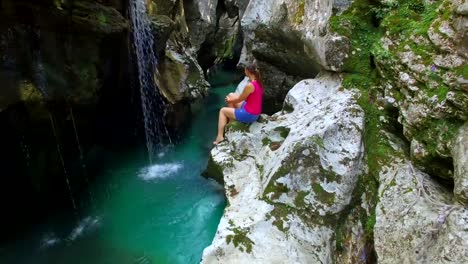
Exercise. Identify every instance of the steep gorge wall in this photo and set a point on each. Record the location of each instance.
(59, 76)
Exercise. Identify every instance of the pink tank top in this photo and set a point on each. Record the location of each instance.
(253, 103)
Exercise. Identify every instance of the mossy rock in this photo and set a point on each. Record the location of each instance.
(162, 27)
(214, 171)
(89, 16)
(236, 126)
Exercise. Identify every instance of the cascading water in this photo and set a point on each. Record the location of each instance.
(151, 100)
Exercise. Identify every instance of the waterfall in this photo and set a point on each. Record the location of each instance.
(151, 100)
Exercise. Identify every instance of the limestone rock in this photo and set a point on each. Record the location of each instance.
(460, 157)
(162, 7)
(236, 7)
(201, 20)
(287, 177)
(227, 40)
(162, 29)
(292, 37)
(417, 221)
(180, 77)
(425, 75)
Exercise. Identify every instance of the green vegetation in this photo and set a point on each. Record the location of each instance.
(299, 201)
(227, 50)
(214, 171)
(284, 131)
(266, 141)
(241, 240)
(236, 126)
(317, 141)
(280, 213)
(299, 17)
(102, 18)
(322, 195)
(369, 64)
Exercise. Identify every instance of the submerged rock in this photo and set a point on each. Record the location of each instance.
(287, 178)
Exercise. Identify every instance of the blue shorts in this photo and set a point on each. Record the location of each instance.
(244, 116)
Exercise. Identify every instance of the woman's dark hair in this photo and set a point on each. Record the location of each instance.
(253, 69)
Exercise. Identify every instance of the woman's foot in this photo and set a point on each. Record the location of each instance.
(218, 140)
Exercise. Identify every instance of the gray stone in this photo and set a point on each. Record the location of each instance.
(460, 160)
(416, 221)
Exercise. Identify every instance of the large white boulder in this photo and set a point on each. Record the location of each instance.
(287, 176)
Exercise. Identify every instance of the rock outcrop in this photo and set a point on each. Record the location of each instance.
(180, 77)
(288, 177)
(417, 220)
(460, 158)
(291, 41)
(424, 70)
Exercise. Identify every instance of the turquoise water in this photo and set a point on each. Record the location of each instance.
(164, 213)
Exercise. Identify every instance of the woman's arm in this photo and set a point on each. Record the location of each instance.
(247, 90)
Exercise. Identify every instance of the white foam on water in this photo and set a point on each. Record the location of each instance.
(159, 171)
(87, 224)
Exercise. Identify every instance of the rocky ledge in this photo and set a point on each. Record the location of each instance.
(288, 177)
(298, 190)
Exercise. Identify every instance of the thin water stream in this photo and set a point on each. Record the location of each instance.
(163, 213)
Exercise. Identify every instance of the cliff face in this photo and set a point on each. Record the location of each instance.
(365, 162)
(64, 78)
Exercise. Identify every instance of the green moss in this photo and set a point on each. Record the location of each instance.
(227, 51)
(266, 141)
(462, 71)
(322, 195)
(214, 171)
(299, 17)
(391, 184)
(441, 92)
(277, 189)
(356, 24)
(317, 141)
(236, 126)
(288, 108)
(329, 175)
(241, 240)
(280, 213)
(370, 223)
(284, 131)
(299, 201)
(438, 129)
(273, 186)
(102, 18)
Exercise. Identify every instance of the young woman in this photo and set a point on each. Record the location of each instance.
(245, 108)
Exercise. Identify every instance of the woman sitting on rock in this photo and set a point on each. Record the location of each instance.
(245, 108)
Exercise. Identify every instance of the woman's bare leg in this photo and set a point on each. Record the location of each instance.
(225, 114)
